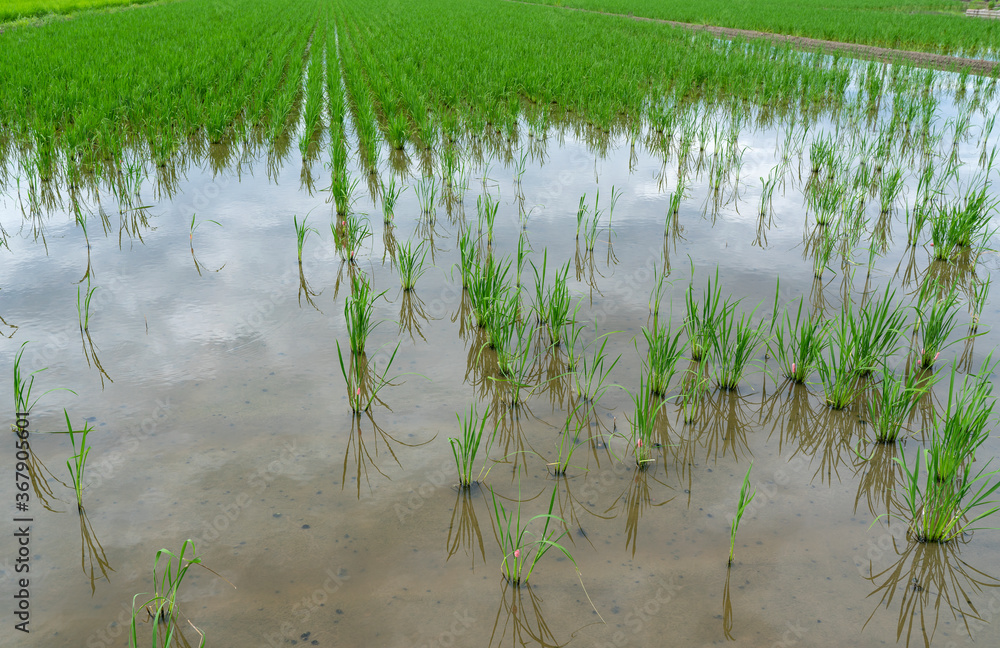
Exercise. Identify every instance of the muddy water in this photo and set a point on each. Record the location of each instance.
(222, 417)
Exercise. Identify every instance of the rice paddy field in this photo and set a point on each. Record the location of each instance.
(495, 324)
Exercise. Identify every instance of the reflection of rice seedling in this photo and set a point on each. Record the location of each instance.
(935, 324)
(521, 554)
(693, 393)
(980, 291)
(662, 356)
(522, 254)
(734, 344)
(799, 344)
(411, 263)
(83, 306)
(466, 447)
(426, 189)
(896, 399)
(390, 194)
(741, 507)
(301, 232)
(837, 372)
(822, 251)
(78, 462)
(363, 381)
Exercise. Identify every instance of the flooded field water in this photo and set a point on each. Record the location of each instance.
(210, 373)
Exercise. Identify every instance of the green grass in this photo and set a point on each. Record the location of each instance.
(15, 9)
(895, 400)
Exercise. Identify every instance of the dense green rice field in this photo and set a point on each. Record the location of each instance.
(925, 25)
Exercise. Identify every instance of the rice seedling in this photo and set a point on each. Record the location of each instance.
(23, 385)
(411, 263)
(954, 440)
(557, 306)
(746, 496)
(642, 424)
(343, 188)
(876, 331)
(799, 344)
(467, 259)
(426, 190)
(662, 355)
(699, 323)
(390, 195)
(78, 462)
(301, 233)
(734, 344)
(161, 608)
(539, 305)
(486, 207)
(822, 252)
(521, 552)
(592, 375)
(836, 371)
(466, 447)
(889, 189)
(396, 131)
(895, 401)
(935, 323)
(350, 235)
(488, 288)
(942, 510)
(568, 443)
(358, 309)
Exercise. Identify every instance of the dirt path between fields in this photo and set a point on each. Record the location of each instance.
(869, 52)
